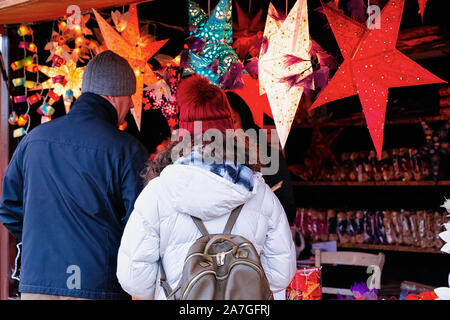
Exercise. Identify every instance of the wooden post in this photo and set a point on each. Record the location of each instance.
(4, 159)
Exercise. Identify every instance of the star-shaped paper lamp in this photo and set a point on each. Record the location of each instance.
(371, 65)
(131, 46)
(247, 33)
(217, 55)
(289, 38)
(65, 81)
(258, 104)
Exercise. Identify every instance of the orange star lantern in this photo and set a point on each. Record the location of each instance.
(371, 66)
(136, 50)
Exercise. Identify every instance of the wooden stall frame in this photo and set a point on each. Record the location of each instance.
(4, 160)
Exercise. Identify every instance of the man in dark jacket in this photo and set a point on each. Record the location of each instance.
(71, 186)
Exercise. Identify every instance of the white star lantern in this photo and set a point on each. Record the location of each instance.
(284, 38)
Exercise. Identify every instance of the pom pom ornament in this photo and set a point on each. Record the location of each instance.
(132, 47)
(284, 38)
(371, 66)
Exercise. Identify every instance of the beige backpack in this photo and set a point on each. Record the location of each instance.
(220, 267)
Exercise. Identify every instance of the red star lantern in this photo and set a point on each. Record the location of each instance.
(371, 65)
(259, 105)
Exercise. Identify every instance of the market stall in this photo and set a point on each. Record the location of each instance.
(356, 92)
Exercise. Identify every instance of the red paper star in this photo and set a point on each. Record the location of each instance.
(259, 105)
(371, 65)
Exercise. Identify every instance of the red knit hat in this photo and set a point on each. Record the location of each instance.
(199, 100)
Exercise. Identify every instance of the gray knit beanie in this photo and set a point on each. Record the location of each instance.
(109, 74)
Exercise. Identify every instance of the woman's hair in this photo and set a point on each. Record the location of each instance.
(165, 157)
(240, 106)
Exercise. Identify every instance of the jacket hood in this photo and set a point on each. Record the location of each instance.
(204, 194)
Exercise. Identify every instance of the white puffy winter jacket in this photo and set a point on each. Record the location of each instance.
(161, 226)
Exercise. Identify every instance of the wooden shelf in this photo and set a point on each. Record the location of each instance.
(362, 122)
(385, 247)
(371, 183)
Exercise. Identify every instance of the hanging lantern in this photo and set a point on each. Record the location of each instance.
(13, 118)
(62, 25)
(27, 61)
(27, 45)
(46, 110)
(18, 132)
(32, 68)
(18, 82)
(34, 98)
(30, 84)
(20, 99)
(17, 65)
(24, 30)
(45, 119)
(23, 119)
(53, 97)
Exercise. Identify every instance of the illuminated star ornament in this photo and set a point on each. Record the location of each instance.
(285, 40)
(371, 66)
(216, 56)
(65, 81)
(136, 50)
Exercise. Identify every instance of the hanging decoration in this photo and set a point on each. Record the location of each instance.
(209, 51)
(137, 49)
(67, 46)
(65, 80)
(162, 94)
(371, 65)
(26, 66)
(436, 146)
(284, 53)
(422, 6)
(247, 33)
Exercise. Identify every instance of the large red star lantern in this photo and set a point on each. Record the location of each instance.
(371, 65)
(136, 50)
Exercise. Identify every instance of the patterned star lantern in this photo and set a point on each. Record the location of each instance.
(132, 46)
(217, 55)
(288, 38)
(65, 81)
(371, 65)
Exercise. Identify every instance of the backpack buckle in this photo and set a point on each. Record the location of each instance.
(220, 258)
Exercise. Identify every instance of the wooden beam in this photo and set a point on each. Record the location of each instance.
(4, 159)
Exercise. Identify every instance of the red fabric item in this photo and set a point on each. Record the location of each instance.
(199, 100)
(371, 66)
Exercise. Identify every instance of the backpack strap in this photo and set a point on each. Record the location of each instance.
(199, 223)
(232, 219)
(163, 281)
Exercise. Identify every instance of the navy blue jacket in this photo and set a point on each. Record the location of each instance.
(67, 194)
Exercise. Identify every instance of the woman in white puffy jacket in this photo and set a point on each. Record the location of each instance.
(161, 227)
